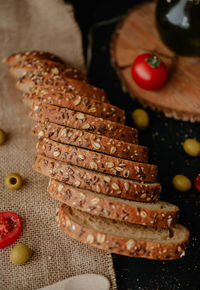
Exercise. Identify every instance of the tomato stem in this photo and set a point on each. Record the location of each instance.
(153, 61)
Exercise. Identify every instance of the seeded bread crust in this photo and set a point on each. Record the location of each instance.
(97, 161)
(46, 66)
(97, 182)
(90, 141)
(164, 215)
(44, 70)
(77, 120)
(77, 87)
(75, 102)
(120, 244)
(25, 55)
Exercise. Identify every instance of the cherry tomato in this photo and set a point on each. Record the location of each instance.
(10, 228)
(149, 72)
(197, 182)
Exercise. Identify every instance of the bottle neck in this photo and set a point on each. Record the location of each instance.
(178, 14)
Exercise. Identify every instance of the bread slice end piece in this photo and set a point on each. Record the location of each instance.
(123, 238)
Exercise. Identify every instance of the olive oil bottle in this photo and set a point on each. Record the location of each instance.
(178, 24)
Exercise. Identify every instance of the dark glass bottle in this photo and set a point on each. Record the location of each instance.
(178, 24)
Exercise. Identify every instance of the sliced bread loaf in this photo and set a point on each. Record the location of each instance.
(25, 55)
(97, 161)
(97, 143)
(97, 182)
(121, 237)
(32, 79)
(78, 120)
(46, 66)
(159, 214)
(62, 98)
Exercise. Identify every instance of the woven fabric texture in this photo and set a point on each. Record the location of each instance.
(43, 25)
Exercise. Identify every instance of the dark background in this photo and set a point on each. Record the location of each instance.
(164, 138)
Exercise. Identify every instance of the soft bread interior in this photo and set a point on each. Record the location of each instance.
(159, 205)
(117, 228)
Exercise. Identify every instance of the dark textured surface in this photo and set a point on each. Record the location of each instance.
(164, 138)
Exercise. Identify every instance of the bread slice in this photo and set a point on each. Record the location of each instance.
(46, 66)
(97, 161)
(97, 182)
(87, 140)
(121, 237)
(25, 55)
(160, 214)
(78, 120)
(32, 79)
(62, 98)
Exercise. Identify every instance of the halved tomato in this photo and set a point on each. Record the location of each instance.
(10, 228)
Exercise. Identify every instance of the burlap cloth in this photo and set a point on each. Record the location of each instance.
(45, 25)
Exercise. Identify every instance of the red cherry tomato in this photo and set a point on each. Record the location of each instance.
(197, 182)
(10, 228)
(149, 72)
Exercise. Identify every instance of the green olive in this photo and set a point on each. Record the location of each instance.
(181, 182)
(13, 181)
(192, 147)
(20, 254)
(140, 118)
(2, 137)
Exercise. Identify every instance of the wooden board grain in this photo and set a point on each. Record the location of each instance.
(135, 34)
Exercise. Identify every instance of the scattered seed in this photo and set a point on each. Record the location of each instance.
(107, 179)
(110, 164)
(90, 239)
(96, 145)
(80, 116)
(60, 187)
(85, 126)
(95, 201)
(130, 244)
(93, 165)
(77, 183)
(92, 110)
(143, 214)
(101, 238)
(115, 186)
(77, 101)
(113, 150)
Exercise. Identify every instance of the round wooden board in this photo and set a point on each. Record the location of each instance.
(135, 34)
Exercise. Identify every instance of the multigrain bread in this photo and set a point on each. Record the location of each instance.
(97, 143)
(97, 161)
(75, 102)
(78, 120)
(25, 55)
(32, 79)
(97, 182)
(46, 66)
(159, 214)
(102, 208)
(123, 238)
